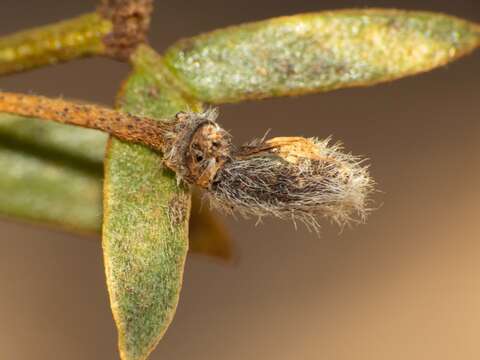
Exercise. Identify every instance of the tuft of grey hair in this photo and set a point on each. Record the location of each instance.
(335, 186)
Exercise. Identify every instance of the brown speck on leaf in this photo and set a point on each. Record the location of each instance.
(153, 92)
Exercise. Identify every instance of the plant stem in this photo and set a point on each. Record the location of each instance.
(131, 21)
(66, 40)
(125, 127)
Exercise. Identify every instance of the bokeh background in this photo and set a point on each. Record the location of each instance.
(403, 286)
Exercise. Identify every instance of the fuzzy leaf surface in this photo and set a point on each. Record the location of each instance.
(318, 52)
(146, 214)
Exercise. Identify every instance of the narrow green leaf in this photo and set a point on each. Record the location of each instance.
(45, 177)
(50, 44)
(85, 144)
(145, 230)
(318, 52)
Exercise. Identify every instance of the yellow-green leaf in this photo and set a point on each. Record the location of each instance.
(50, 44)
(145, 229)
(318, 52)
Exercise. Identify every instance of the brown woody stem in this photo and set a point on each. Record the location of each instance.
(135, 129)
(131, 21)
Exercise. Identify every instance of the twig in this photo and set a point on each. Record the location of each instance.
(123, 126)
(131, 21)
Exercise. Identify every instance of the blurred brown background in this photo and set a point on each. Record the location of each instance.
(403, 286)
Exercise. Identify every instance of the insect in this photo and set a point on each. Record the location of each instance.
(288, 177)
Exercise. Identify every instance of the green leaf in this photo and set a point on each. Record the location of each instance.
(50, 44)
(84, 144)
(318, 52)
(145, 230)
(51, 173)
